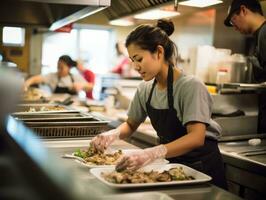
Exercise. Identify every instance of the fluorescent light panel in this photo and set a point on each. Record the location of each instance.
(156, 14)
(121, 22)
(200, 3)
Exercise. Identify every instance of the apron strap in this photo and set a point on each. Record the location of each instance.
(170, 87)
(152, 88)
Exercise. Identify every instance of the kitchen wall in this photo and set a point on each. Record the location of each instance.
(18, 55)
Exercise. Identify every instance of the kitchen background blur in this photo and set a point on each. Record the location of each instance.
(35, 33)
(205, 44)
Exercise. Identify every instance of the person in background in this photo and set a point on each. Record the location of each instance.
(178, 106)
(123, 65)
(89, 77)
(62, 81)
(246, 16)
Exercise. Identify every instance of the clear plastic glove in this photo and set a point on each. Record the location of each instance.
(103, 140)
(141, 158)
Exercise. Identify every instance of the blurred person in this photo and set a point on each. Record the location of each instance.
(62, 81)
(123, 65)
(178, 106)
(246, 16)
(89, 76)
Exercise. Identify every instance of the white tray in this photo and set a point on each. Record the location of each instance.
(199, 176)
(127, 151)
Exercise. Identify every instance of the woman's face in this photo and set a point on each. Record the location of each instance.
(62, 68)
(147, 64)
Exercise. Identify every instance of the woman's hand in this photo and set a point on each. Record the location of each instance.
(141, 158)
(103, 140)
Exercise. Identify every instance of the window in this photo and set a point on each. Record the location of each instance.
(13, 36)
(56, 45)
(95, 52)
(93, 45)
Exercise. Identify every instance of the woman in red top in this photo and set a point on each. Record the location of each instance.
(89, 76)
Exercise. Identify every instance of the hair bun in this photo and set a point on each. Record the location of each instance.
(166, 25)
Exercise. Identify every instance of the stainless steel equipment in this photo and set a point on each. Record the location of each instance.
(68, 129)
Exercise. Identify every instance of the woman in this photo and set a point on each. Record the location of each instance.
(178, 106)
(89, 76)
(62, 81)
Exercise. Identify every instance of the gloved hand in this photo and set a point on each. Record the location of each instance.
(141, 158)
(103, 140)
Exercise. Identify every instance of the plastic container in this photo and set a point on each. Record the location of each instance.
(222, 76)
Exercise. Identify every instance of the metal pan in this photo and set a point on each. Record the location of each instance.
(25, 108)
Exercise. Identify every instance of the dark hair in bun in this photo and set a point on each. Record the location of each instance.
(68, 60)
(148, 38)
(166, 25)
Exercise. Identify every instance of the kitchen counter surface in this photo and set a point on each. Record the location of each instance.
(191, 192)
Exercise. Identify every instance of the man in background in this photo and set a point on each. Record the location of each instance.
(246, 16)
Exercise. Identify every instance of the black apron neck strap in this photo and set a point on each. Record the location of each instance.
(169, 88)
(71, 77)
(153, 86)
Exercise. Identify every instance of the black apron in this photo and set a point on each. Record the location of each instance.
(61, 90)
(206, 159)
(260, 76)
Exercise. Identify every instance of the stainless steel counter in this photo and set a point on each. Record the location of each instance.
(90, 183)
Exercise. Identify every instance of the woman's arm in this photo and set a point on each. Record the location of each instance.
(33, 80)
(194, 138)
(127, 128)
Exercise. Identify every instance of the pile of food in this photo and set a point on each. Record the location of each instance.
(46, 108)
(94, 157)
(173, 174)
(32, 94)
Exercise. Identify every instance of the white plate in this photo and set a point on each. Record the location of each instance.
(199, 176)
(127, 151)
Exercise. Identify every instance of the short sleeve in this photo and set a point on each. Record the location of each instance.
(196, 103)
(136, 109)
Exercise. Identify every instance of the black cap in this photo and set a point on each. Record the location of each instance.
(236, 4)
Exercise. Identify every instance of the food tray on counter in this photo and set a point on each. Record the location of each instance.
(33, 109)
(62, 117)
(199, 176)
(33, 95)
(68, 128)
(124, 152)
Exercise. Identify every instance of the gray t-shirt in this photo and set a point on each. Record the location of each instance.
(192, 102)
(52, 80)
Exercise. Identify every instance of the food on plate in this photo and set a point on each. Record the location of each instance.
(94, 157)
(127, 176)
(46, 108)
(32, 94)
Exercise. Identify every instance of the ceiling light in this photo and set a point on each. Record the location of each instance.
(156, 14)
(200, 3)
(121, 22)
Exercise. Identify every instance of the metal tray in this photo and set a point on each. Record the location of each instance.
(24, 108)
(54, 118)
(68, 129)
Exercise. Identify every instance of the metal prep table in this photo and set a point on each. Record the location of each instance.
(42, 168)
(201, 191)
